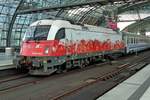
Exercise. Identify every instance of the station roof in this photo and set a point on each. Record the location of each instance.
(16, 15)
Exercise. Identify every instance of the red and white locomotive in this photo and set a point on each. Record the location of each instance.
(56, 45)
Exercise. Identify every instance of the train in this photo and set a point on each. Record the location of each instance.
(51, 46)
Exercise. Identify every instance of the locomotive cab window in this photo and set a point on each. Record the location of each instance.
(39, 32)
(60, 34)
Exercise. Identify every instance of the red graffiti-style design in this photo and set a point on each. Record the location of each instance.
(57, 48)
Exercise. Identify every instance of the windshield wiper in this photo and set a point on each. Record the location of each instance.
(40, 37)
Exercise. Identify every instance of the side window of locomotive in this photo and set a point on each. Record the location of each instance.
(60, 34)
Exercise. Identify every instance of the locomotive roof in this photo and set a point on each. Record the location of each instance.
(67, 24)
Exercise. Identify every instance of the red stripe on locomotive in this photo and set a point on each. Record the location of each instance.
(57, 48)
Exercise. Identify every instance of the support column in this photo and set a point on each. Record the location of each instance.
(8, 41)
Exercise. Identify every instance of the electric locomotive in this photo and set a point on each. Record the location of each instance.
(51, 46)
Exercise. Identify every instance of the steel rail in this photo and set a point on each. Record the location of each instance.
(104, 77)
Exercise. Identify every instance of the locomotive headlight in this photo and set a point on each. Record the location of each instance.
(53, 49)
(46, 50)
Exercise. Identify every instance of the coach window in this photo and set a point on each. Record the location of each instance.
(60, 34)
(128, 40)
(134, 40)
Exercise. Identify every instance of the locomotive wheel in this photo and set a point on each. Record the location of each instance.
(61, 68)
(87, 62)
(22, 69)
(83, 64)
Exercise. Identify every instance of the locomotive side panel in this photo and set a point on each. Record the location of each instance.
(88, 41)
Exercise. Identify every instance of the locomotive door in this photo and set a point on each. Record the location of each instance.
(68, 42)
(61, 37)
(73, 38)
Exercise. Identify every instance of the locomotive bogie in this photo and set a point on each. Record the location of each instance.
(48, 65)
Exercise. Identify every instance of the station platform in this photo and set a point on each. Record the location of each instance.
(6, 61)
(137, 87)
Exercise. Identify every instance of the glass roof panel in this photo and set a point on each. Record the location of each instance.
(7, 9)
(90, 14)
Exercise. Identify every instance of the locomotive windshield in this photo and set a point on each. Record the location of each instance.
(39, 32)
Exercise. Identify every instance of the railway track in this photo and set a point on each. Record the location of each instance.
(33, 81)
(136, 66)
(14, 77)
